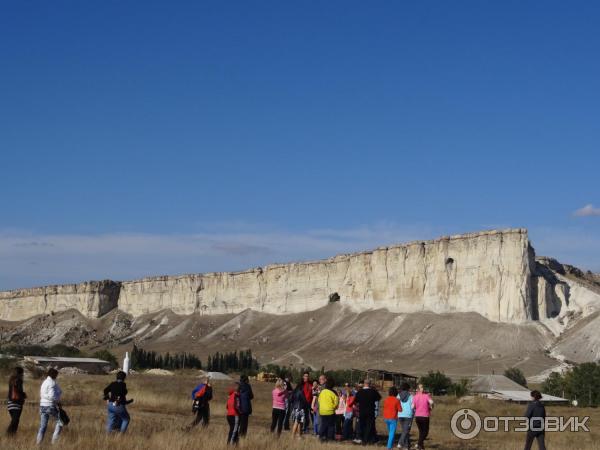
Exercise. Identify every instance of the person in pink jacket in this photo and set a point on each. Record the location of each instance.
(422, 405)
(278, 415)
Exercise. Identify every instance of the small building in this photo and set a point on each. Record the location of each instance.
(499, 387)
(384, 379)
(89, 365)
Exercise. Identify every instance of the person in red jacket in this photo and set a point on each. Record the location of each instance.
(307, 388)
(233, 414)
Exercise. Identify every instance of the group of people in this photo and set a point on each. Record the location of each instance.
(347, 413)
(350, 413)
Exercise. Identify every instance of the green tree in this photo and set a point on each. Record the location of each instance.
(461, 387)
(436, 382)
(516, 374)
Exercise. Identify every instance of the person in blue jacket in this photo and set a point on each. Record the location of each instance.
(406, 415)
(201, 397)
(246, 397)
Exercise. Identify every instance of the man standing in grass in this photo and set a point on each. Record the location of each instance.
(246, 397)
(202, 395)
(328, 403)
(366, 399)
(115, 395)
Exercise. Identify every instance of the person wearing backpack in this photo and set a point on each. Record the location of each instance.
(115, 395)
(50, 394)
(233, 414)
(16, 399)
(202, 395)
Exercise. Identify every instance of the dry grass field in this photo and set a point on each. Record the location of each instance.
(162, 409)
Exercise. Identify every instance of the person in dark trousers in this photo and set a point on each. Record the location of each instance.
(115, 395)
(328, 403)
(367, 399)
(246, 397)
(16, 399)
(422, 404)
(307, 389)
(280, 395)
(202, 395)
(233, 414)
(288, 403)
(536, 413)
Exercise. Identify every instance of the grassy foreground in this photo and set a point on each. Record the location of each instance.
(162, 409)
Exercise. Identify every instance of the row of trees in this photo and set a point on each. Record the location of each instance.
(233, 362)
(142, 359)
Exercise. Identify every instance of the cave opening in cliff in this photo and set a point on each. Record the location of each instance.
(449, 264)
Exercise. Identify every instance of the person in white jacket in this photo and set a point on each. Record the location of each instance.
(50, 394)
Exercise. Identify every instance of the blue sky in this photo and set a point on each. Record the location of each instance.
(141, 138)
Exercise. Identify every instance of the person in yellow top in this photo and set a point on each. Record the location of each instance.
(328, 403)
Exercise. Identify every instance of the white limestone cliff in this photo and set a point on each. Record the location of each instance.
(92, 299)
(489, 273)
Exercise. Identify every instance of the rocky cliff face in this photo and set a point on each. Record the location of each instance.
(490, 273)
(92, 299)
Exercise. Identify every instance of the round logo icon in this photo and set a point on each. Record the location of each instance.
(465, 424)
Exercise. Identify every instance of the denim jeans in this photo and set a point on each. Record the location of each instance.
(45, 413)
(347, 433)
(405, 424)
(391, 426)
(118, 418)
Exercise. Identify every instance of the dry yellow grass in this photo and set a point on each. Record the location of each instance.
(162, 409)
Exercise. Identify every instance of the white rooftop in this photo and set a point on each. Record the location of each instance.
(50, 359)
(524, 396)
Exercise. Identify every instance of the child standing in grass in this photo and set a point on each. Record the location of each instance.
(391, 408)
(233, 414)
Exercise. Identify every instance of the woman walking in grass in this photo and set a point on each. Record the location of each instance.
(50, 394)
(536, 413)
(233, 414)
(405, 416)
(422, 404)
(16, 399)
(391, 408)
(278, 414)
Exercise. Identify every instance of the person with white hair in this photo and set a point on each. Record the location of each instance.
(367, 399)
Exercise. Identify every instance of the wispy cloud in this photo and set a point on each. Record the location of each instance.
(587, 211)
(28, 259)
(33, 259)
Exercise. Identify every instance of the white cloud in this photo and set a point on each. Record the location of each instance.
(587, 211)
(31, 259)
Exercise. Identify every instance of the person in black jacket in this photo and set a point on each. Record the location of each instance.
(367, 399)
(246, 397)
(16, 399)
(536, 413)
(115, 395)
(288, 403)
